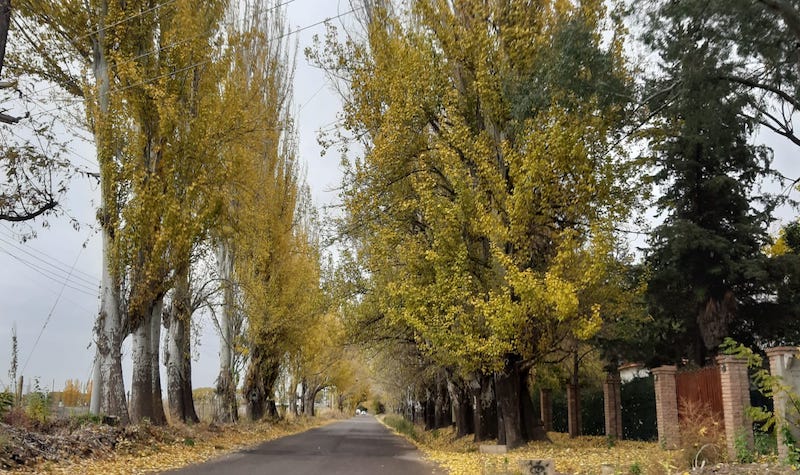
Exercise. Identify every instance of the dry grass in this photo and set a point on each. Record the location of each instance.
(186, 445)
(582, 455)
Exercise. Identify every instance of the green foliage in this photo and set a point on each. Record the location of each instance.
(769, 386)
(793, 458)
(37, 403)
(6, 402)
(710, 276)
(84, 419)
(484, 204)
(401, 425)
(635, 469)
(741, 446)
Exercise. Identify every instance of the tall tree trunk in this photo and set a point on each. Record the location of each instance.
(145, 380)
(226, 407)
(292, 396)
(108, 388)
(303, 391)
(442, 412)
(532, 427)
(429, 410)
(484, 408)
(309, 398)
(574, 400)
(178, 354)
(462, 406)
(508, 404)
(159, 417)
(262, 373)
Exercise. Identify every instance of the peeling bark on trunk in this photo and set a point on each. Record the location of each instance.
(259, 385)
(177, 357)
(145, 380)
(108, 389)
(226, 408)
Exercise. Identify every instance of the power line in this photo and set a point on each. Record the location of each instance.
(82, 280)
(59, 280)
(50, 314)
(10, 235)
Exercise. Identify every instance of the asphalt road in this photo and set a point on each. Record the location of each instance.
(358, 446)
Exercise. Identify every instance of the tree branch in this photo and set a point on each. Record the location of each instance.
(16, 217)
(785, 10)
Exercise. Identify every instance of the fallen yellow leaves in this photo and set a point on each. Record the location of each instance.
(193, 444)
(579, 456)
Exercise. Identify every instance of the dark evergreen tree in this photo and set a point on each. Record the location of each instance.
(708, 271)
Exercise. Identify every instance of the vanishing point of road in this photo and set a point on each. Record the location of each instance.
(358, 446)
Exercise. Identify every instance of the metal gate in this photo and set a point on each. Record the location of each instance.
(700, 387)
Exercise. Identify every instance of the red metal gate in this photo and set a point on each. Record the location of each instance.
(699, 388)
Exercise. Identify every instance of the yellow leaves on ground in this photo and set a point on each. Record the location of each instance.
(579, 456)
(194, 445)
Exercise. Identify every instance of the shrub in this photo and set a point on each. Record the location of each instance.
(401, 425)
(6, 402)
(702, 434)
(37, 403)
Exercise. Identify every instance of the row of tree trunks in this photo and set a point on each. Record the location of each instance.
(488, 406)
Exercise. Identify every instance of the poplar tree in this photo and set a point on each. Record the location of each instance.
(489, 173)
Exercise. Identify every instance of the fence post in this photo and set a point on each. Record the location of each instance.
(546, 408)
(783, 363)
(612, 404)
(667, 406)
(735, 401)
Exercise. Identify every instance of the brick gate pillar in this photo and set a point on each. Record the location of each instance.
(735, 401)
(783, 363)
(546, 408)
(612, 404)
(667, 406)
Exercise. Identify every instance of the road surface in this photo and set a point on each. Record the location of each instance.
(358, 446)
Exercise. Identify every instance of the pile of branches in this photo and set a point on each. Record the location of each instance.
(28, 446)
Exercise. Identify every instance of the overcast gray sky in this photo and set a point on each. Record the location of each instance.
(32, 290)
